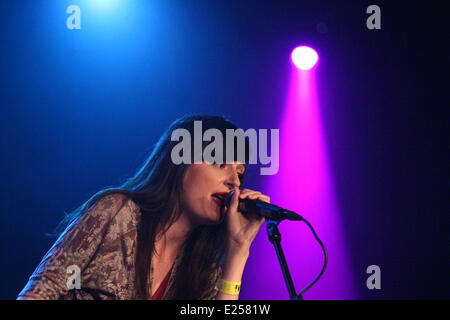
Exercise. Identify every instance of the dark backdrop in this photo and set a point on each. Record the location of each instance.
(81, 110)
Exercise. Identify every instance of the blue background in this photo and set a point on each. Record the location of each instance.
(82, 109)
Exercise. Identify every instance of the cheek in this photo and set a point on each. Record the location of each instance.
(199, 179)
(194, 190)
(198, 185)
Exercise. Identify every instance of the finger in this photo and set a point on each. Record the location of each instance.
(235, 200)
(246, 192)
(264, 198)
(258, 196)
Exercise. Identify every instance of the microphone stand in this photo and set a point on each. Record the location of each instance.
(275, 237)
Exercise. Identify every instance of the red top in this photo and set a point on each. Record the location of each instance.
(159, 294)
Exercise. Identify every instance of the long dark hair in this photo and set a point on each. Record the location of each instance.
(156, 188)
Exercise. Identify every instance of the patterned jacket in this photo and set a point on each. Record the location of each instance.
(102, 244)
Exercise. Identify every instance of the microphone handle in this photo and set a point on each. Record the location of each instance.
(267, 210)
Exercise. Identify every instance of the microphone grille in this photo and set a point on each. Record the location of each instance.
(228, 197)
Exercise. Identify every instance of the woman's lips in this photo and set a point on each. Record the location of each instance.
(217, 201)
(218, 198)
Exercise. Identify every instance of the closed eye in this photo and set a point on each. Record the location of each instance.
(223, 165)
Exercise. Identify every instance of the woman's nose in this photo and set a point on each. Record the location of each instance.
(233, 181)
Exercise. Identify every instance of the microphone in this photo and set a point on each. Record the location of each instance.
(264, 209)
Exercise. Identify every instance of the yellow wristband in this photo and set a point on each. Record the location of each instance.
(229, 287)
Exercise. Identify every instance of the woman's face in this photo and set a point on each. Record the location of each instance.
(201, 185)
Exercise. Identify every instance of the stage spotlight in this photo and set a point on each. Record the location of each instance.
(304, 57)
(106, 6)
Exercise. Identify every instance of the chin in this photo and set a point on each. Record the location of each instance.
(213, 218)
(212, 221)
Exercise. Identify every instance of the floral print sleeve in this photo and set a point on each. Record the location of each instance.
(102, 243)
(78, 246)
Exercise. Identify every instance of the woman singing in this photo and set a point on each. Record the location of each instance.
(163, 234)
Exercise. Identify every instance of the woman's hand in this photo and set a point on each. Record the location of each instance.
(243, 229)
(241, 232)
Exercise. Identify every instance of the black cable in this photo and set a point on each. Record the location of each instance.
(324, 264)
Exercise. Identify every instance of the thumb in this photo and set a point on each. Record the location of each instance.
(235, 200)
